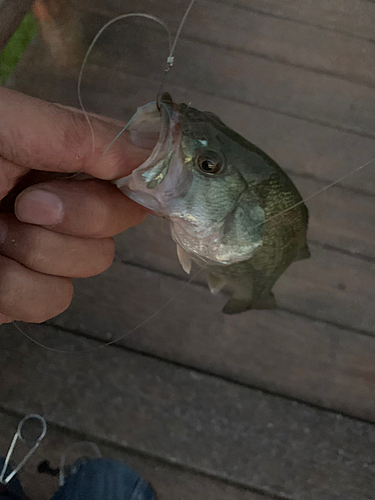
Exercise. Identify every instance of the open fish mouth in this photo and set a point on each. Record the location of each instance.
(154, 182)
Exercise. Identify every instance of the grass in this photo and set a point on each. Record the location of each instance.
(16, 45)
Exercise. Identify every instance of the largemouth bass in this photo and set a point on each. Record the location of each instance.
(231, 208)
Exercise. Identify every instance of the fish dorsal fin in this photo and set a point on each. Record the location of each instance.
(184, 258)
(215, 283)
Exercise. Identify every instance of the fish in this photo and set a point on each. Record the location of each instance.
(232, 209)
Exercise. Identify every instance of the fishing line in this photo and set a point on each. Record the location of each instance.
(316, 193)
(172, 298)
(109, 23)
(144, 322)
(170, 58)
(170, 61)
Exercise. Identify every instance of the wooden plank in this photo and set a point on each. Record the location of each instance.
(194, 420)
(300, 147)
(274, 350)
(352, 216)
(330, 286)
(169, 481)
(241, 77)
(355, 18)
(11, 14)
(234, 26)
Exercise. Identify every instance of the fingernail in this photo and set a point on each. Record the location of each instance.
(144, 140)
(3, 231)
(39, 207)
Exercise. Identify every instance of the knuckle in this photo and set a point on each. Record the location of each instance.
(108, 254)
(100, 219)
(102, 258)
(32, 248)
(59, 300)
(29, 296)
(76, 135)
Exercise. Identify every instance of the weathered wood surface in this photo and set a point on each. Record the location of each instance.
(337, 218)
(229, 73)
(11, 14)
(277, 351)
(297, 80)
(333, 287)
(190, 419)
(354, 19)
(171, 482)
(330, 286)
(301, 147)
(244, 28)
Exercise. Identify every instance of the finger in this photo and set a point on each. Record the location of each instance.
(88, 208)
(37, 134)
(9, 176)
(5, 319)
(47, 252)
(29, 296)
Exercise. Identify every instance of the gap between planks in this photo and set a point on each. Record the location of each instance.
(167, 477)
(277, 351)
(221, 428)
(202, 371)
(195, 32)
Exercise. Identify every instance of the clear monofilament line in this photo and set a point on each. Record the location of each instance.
(170, 60)
(132, 330)
(172, 298)
(109, 23)
(129, 123)
(320, 191)
(182, 23)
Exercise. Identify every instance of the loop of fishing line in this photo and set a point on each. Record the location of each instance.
(170, 62)
(109, 23)
(170, 58)
(171, 299)
(30, 443)
(143, 323)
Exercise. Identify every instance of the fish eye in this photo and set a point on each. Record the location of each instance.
(210, 163)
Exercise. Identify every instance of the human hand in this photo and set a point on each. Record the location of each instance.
(59, 229)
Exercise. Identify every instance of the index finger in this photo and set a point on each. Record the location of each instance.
(42, 136)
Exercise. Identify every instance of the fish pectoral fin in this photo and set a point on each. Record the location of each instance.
(303, 253)
(215, 283)
(184, 258)
(238, 305)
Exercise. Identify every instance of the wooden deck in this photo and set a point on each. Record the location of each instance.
(268, 404)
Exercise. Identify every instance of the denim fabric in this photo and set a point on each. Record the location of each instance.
(13, 490)
(104, 479)
(100, 479)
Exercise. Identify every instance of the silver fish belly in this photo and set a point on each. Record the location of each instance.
(231, 208)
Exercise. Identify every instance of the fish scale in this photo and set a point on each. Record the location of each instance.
(232, 209)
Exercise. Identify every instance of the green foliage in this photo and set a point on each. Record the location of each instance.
(16, 45)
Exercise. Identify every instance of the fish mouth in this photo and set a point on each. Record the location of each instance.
(155, 181)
